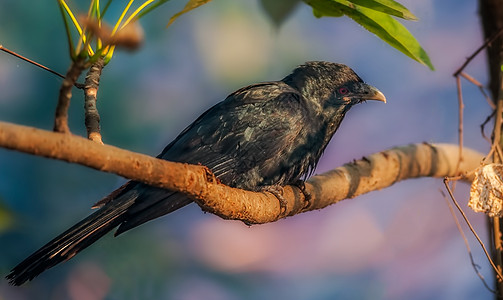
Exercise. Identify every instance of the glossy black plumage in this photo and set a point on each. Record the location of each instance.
(266, 134)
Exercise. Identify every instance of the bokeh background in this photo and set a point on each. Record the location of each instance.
(397, 243)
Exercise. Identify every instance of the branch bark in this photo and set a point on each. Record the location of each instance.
(91, 85)
(370, 173)
(65, 94)
(491, 16)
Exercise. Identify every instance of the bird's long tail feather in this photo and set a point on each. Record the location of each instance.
(70, 242)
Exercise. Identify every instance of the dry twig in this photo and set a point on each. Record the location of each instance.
(468, 249)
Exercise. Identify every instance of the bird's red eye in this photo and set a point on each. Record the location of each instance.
(343, 91)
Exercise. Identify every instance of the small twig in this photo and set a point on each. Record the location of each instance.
(461, 106)
(92, 116)
(481, 88)
(489, 155)
(500, 153)
(65, 94)
(482, 126)
(468, 249)
(446, 183)
(494, 147)
(78, 85)
(471, 57)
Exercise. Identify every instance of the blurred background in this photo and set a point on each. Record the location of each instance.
(397, 243)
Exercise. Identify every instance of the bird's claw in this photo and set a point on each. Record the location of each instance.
(277, 191)
(302, 187)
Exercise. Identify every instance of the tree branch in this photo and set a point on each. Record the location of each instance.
(65, 94)
(91, 85)
(373, 172)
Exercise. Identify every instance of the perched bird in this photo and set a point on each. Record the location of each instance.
(263, 135)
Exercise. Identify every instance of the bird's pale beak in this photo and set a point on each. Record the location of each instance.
(374, 94)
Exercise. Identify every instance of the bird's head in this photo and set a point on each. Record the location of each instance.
(331, 86)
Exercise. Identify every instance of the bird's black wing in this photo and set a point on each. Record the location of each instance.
(240, 138)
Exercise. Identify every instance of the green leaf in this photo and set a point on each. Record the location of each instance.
(150, 8)
(192, 4)
(325, 9)
(105, 9)
(389, 7)
(381, 24)
(279, 10)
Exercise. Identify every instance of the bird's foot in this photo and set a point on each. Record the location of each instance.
(277, 191)
(302, 187)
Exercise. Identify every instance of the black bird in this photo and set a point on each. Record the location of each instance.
(263, 135)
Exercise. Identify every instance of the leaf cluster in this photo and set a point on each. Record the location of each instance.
(377, 16)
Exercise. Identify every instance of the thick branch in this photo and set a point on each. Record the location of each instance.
(491, 15)
(373, 172)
